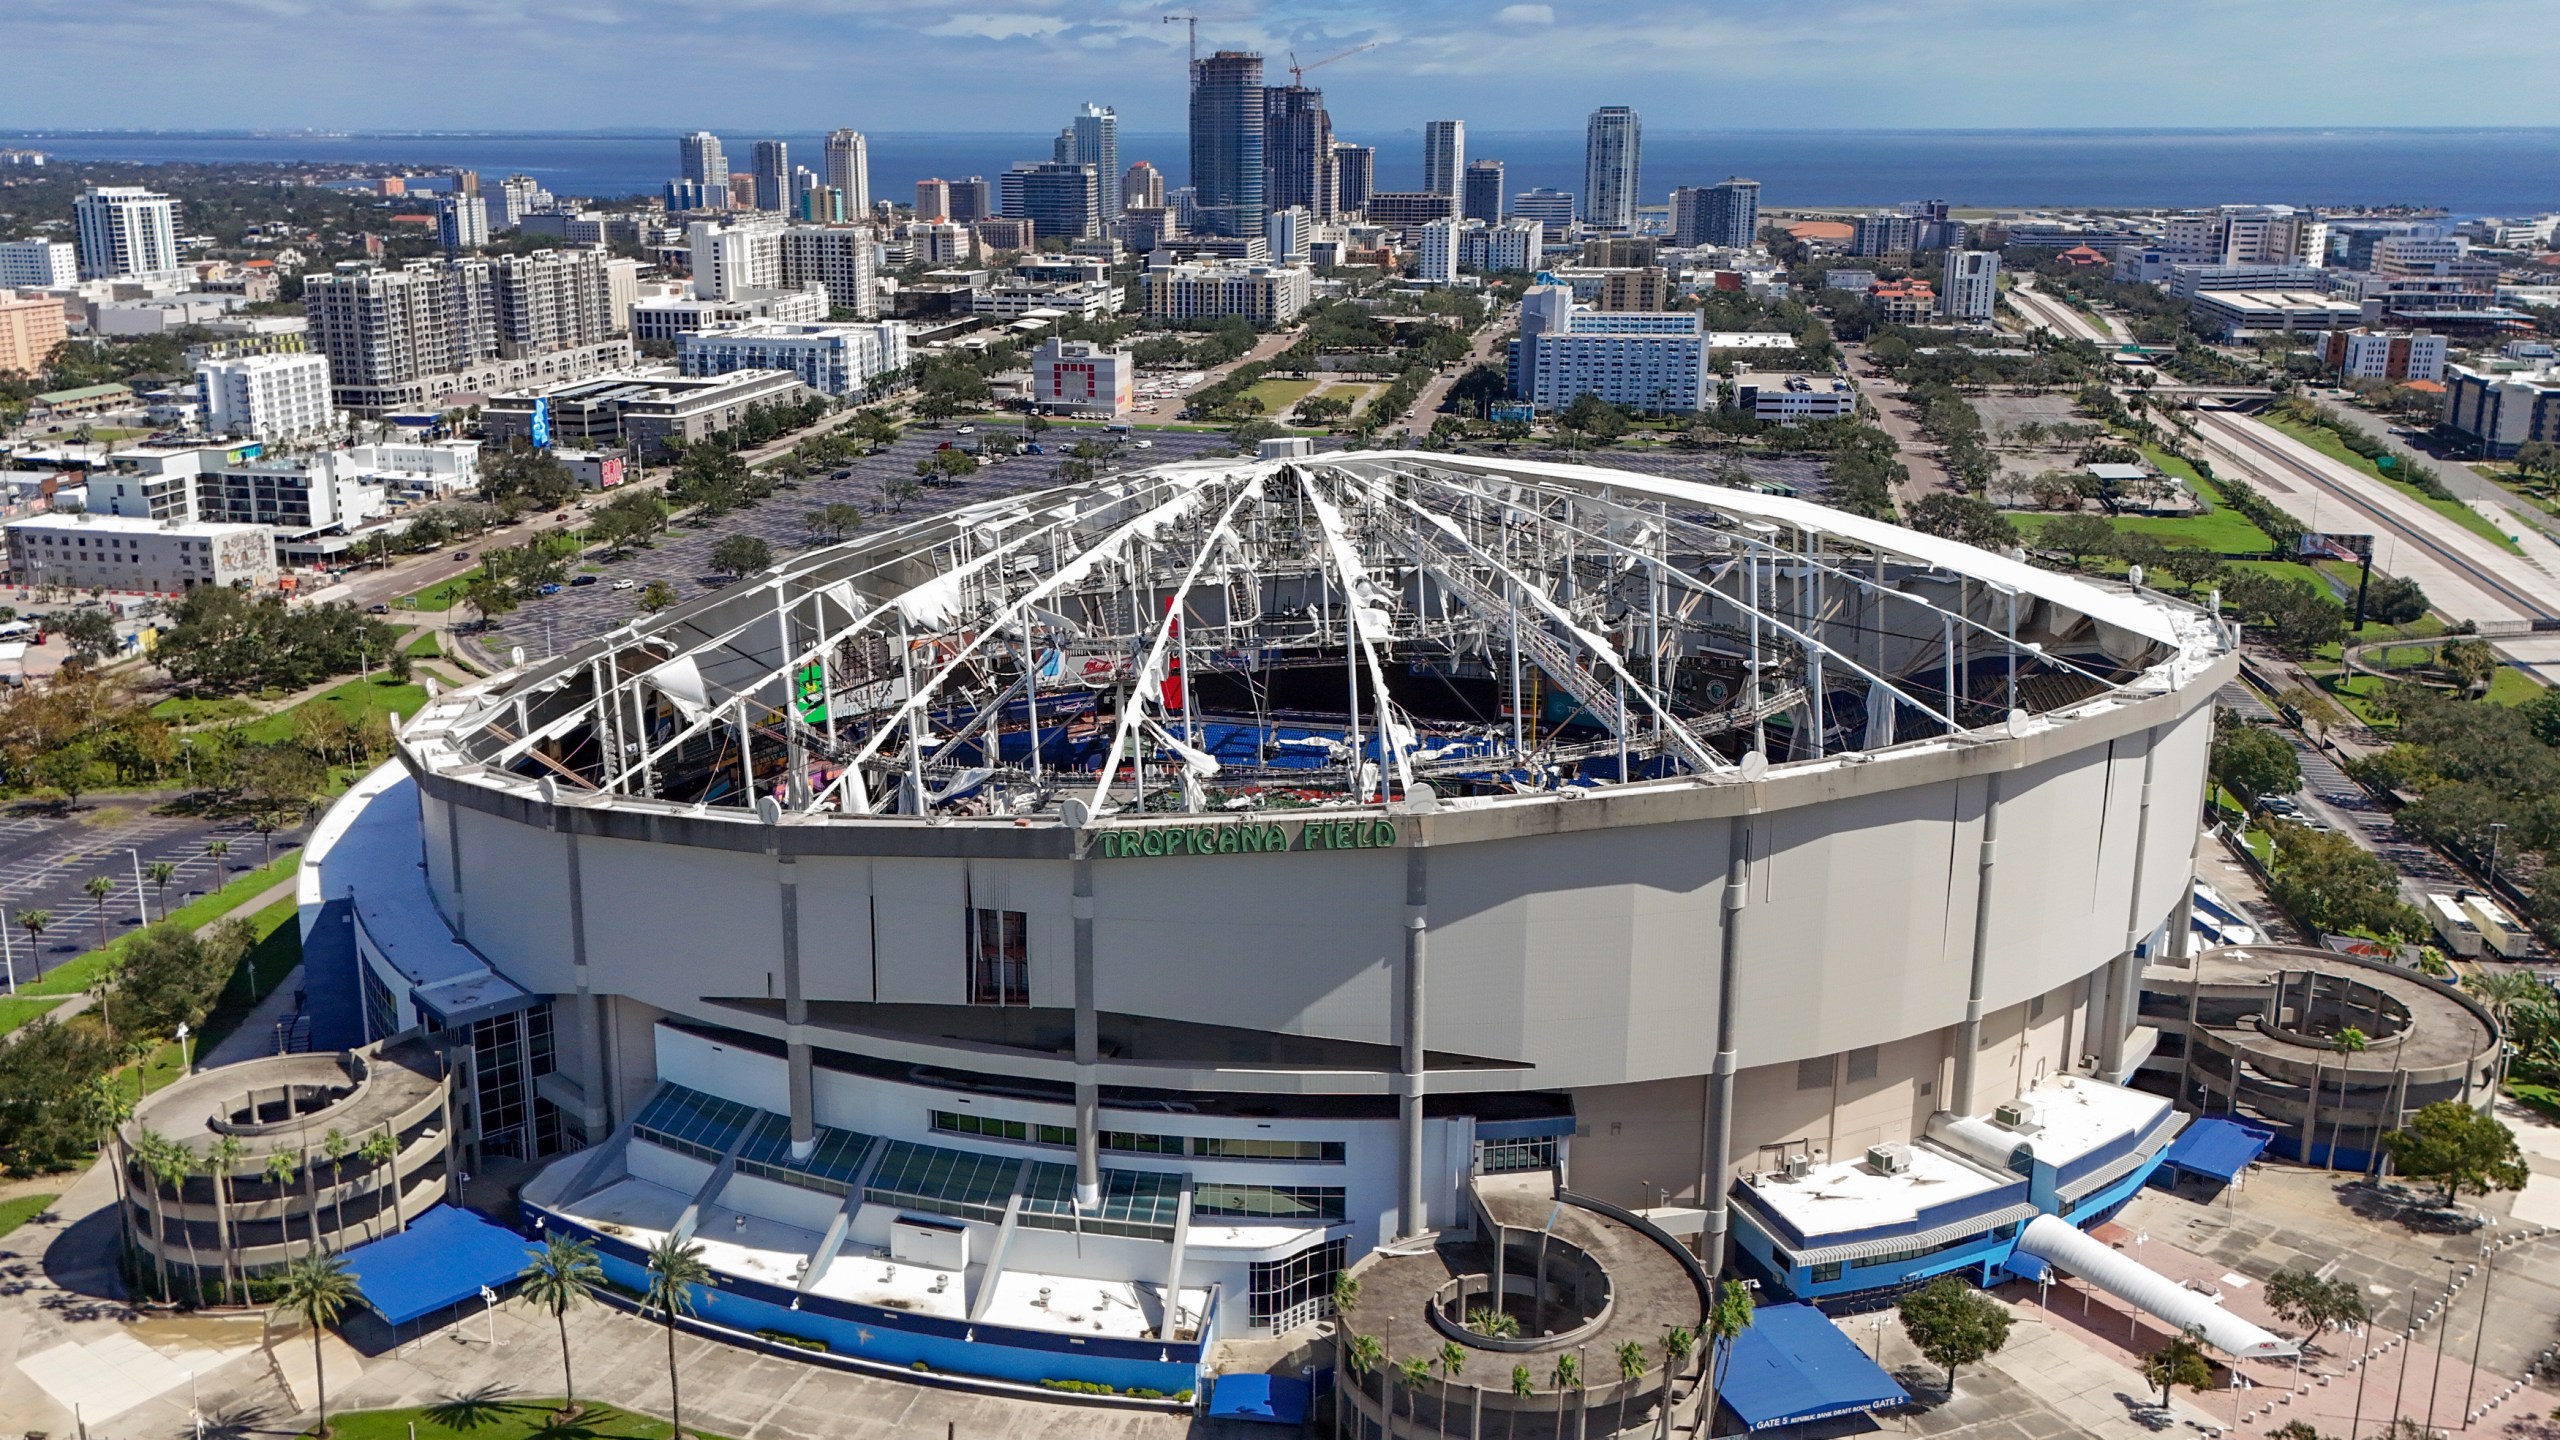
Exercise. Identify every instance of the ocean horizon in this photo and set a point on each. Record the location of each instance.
(2467, 171)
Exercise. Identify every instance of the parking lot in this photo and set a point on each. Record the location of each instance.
(45, 858)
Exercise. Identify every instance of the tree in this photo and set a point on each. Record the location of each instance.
(221, 1158)
(1968, 518)
(1953, 1325)
(66, 768)
(2180, 1362)
(215, 850)
(1413, 1373)
(1677, 1344)
(489, 597)
(2193, 567)
(560, 1277)
(90, 634)
(2468, 663)
(1522, 1387)
(657, 595)
(317, 1288)
(2395, 600)
(1247, 435)
(1567, 1375)
(2301, 1297)
(378, 1151)
(2329, 882)
(2466, 1149)
(740, 554)
(35, 923)
(1594, 418)
(1366, 1356)
(1727, 1317)
(160, 873)
(675, 1268)
(832, 522)
(2076, 537)
(2254, 761)
(171, 1163)
(98, 888)
(148, 1157)
(1632, 1364)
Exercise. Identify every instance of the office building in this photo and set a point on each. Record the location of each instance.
(1436, 258)
(126, 233)
(2398, 355)
(1355, 175)
(1444, 155)
(2499, 409)
(1481, 197)
(39, 264)
(731, 258)
(462, 222)
(1405, 212)
(125, 555)
(1644, 289)
(1297, 151)
(948, 243)
(2187, 281)
(1264, 294)
(669, 318)
(1612, 163)
(653, 411)
(848, 160)
(1554, 209)
(840, 260)
(267, 397)
(933, 200)
(773, 176)
(1513, 246)
(1726, 216)
(1287, 233)
(1095, 134)
(1881, 235)
(403, 338)
(1227, 143)
(2246, 235)
(1969, 284)
(1062, 201)
(1141, 184)
(2228, 313)
(832, 359)
(1620, 252)
(1651, 362)
(1003, 232)
(972, 200)
(1078, 377)
(1782, 399)
(701, 161)
(32, 327)
(820, 205)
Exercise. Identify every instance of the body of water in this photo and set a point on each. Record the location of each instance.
(2469, 172)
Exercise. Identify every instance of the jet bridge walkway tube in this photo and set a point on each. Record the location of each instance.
(2057, 1243)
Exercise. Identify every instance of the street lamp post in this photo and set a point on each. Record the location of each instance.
(2495, 826)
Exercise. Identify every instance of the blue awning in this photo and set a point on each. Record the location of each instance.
(2219, 1148)
(444, 1256)
(1793, 1366)
(1264, 1399)
(2023, 1265)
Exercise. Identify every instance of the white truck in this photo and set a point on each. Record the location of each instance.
(2500, 935)
(2454, 925)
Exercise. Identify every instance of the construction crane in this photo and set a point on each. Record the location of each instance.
(1194, 22)
(1298, 72)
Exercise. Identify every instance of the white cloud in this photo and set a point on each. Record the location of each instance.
(998, 27)
(1526, 14)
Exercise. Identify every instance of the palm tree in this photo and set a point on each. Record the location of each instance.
(335, 1146)
(171, 1165)
(35, 923)
(160, 873)
(378, 1151)
(106, 1109)
(1522, 1387)
(1414, 1372)
(266, 823)
(675, 1267)
(221, 1158)
(216, 849)
(1566, 1376)
(317, 1288)
(1677, 1342)
(1726, 1320)
(145, 1158)
(1452, 1362)
(1631, 1368)
(2347, 1042)
(98, 888)
(1346, 1298)
(280, 1169)
(561, 1276)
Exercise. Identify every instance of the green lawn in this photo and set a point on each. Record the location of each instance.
(2510, 686)
(356, 698)
(425, 647)
(2325, 441)
(73, 976)
(202, 712)
(2541, 1099)
(442, 595)
(1278, 395)
(14, 1213)
(509, 1419)
(15, 1012)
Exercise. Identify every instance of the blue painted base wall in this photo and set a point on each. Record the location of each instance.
(893, 1337)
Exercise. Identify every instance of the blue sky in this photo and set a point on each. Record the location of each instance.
(897, 65)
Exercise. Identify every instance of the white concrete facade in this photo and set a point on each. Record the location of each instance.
(267, 397)
(132, 555)
(834, 359)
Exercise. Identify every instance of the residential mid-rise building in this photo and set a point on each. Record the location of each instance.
(1888, 234)
(1003, 232)
(1141, 184)
(1227, 143)
(1652, 362)
(1612, 162)
(1436, 258)
(947, 243)
(830, 358)
(267, 397)
(1480, 194)
(1905, 302)
(39, 264)
(32, 327)
(1096, 134)
(402, 338)
(848, 160)
(2499, 409)
(1263, 294)
(126, 233)
(1784, 399)
(1298, 151)
(667, 319)
(81, 551)
(462, 222)
(1554, 209)
(1969, 284)
(933, 200)
(1355, 175)
(517, 197)
(773, 176)
(1726, 215)
(1078, 377)
(1287, 233)
(841, 260)
(1514, 245)
(1444, 155)
(1643, 289)
(733, 257)
(2384, 354)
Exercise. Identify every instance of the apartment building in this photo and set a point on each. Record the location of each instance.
(32, 327)
(267, 397)
(1263, 294)
(2384, 354)
(1653, 362)
(833, 359)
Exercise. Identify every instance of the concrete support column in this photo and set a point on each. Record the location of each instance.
(594, 1117)
(1718, 1179)
(2124, 973)
(1088, 1040)
(1969, 1034)
(1412, 1217)
(795, 1013)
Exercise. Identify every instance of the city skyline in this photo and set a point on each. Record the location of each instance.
(1037, 58)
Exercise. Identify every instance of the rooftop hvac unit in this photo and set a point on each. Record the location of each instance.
(1889, 1159)
(1799, 1166)
(2009, 1116)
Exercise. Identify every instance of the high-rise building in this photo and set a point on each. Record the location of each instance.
(126, 232)
(773, 175)
(1612, 159)
(1297, 150)
(405, 337)
(517, 197)
(1407, 211)
(1096, 133)
(1650, 361)
(1437, 263)
(1882, 235)
(41, 263)
(701, 161)
(821, 205)
(1062, 201)
(1444, 155)
(1969, 284)
(1286, 232)
(266, 397)
(462, 222)
(1226, 143)
(1726, 215)
(1482, 192)
(933, 201)
(972, 200)
(849, 171)
(1355, 176)
(1551, 208)
(1142, 184)
(731, 259)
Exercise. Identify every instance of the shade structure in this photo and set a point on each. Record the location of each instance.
(2220, 1149)
(2147, 1290)
(1794, 1366)
(1263, 1399)
(445, 1256)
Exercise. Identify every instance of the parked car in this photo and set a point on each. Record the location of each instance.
(551, 589)
(966, 430)
(621, 584)
(2280, 805)
(578, 580)
(377, 608)
(1146, 444)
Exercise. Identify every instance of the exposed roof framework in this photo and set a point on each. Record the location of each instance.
(1339, 630)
